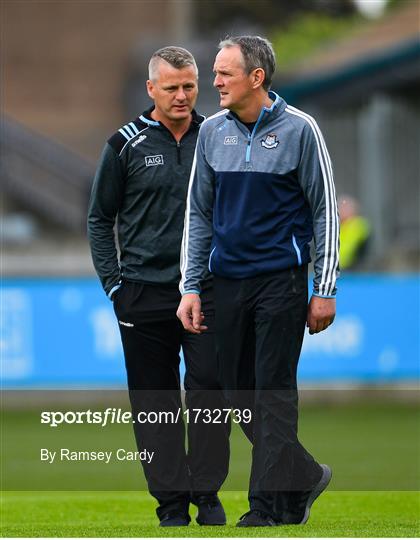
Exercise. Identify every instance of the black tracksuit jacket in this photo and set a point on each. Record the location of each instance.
(141, 181)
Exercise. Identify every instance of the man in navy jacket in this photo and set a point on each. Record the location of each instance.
(261, 188)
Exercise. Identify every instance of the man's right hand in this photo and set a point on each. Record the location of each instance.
(190, 314)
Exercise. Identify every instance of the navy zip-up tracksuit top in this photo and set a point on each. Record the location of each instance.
(256, 200)
(141, 178)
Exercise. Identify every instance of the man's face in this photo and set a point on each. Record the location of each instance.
(231, 80)
(174, 91)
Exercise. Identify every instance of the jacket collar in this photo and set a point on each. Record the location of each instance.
(266, 113)
(146, 118)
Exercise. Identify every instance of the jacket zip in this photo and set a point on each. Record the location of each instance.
(178, 143)
(251, 136)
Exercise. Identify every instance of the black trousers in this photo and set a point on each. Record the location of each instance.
(152, 337)
(260, 325)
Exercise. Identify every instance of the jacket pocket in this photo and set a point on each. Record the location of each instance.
(210, 258)
(297, 250)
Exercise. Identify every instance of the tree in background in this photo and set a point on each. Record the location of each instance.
(218, 17)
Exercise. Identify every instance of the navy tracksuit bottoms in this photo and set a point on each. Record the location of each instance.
(260, 324)
(152, 337)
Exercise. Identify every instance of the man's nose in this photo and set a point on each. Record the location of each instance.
(180, 95)
(217, 81)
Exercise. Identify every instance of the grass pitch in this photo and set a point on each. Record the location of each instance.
(370, 447)
(131, 514)
(373, 449)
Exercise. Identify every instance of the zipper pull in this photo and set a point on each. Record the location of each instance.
(248, 151)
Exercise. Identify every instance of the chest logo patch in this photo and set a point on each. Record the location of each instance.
(231, 139)
(270, 141)
(139, 140)
(151, 161)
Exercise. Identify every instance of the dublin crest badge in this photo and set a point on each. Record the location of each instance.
(270, 141)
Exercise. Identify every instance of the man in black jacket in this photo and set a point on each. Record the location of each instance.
(141, 182)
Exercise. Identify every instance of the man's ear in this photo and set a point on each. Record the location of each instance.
(150, 88)
(258, 77)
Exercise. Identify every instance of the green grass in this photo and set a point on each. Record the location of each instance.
(373, 448)
(370, 446)
(130, 514)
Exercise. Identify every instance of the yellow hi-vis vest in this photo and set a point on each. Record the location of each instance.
(354, 233)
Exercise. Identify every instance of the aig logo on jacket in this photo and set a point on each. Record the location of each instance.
(231, 139)
(151, 161)
(270, 141)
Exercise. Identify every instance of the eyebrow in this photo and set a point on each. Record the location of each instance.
(168, 87)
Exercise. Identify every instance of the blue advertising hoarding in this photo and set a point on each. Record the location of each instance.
(63, 332)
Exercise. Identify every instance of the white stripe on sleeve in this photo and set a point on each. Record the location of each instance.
(330, 263)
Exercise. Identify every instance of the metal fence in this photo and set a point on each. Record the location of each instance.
(44, 175)
(375, 150)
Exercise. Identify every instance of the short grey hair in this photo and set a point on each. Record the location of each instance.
(177, 57)
(257, 52)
